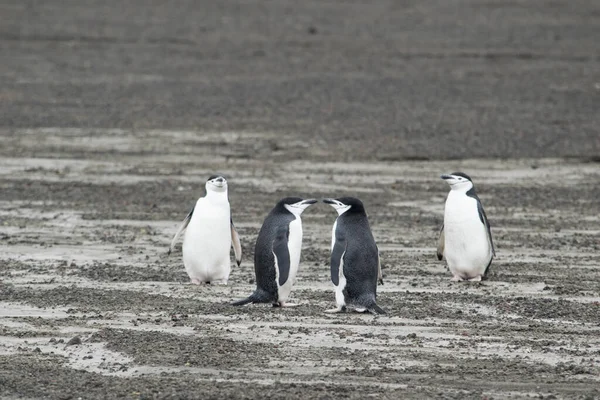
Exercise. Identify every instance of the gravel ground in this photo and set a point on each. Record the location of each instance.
(113, 115)
(91, 303)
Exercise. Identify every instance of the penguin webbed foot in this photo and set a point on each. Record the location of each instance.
(458, 278)
(282, 304)
(336, 310)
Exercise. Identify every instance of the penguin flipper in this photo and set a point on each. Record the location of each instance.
(379, 272)
(237, 246)
(282, 254)
(483, 219)
(180, 230)
(440, 248)
(337, 256)
(485, 222)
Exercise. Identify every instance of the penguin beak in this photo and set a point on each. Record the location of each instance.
(333, 203)
(309, 201)
(446, 177)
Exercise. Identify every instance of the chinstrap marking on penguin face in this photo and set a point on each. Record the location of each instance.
(338, 206)
(298, 207)
(458, 181)
(216, 183)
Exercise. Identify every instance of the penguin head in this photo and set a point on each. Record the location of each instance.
(216, 183)
(296, 205)
(459, 181)
(346, 204)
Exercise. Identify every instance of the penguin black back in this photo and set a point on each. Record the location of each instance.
(276, 223)
(355, 253)
(277, 252)
(361, 256)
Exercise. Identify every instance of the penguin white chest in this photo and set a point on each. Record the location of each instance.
(466, 246)
(339, 289)
(294, 248)
(207, 241)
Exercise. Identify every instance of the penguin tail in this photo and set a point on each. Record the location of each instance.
(369, 303)
(375, 309)
(243, 301)
(259, 296)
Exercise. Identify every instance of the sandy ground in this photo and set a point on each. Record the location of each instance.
(113, 114)
(84, 240)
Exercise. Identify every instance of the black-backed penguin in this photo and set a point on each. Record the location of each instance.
(277, 253)
(209, 234)
(465, 238)
(355, 265)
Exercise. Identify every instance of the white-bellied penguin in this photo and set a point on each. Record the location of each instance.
(277, 253)
(209, 234)
(355, 264)
(465, 238)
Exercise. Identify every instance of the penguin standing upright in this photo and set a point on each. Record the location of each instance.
(465, 238)
(209, 235)
(277, 253)
(355, 265)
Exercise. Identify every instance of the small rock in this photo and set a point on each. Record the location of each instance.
(411, 336)
(76, 340)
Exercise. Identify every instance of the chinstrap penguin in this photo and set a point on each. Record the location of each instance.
(355, 264)
(465, 238)
(209, 235)
(277, 253)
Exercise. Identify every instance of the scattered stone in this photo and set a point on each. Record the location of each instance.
(74, 341)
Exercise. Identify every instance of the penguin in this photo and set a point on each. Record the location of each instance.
(277, 253)
(209, 235)
(465, 239)
(355, 264)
